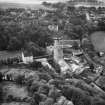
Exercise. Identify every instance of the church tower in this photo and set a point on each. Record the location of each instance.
(58, 52)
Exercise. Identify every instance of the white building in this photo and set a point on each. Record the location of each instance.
(27, 59)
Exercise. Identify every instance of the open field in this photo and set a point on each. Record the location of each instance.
(5, 54)
(15, 90)
(16, 103)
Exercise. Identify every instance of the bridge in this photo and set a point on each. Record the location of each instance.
(44, 56)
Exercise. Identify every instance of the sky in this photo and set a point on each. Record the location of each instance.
(33, 1)
(29, 1)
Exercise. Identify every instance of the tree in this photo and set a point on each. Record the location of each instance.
(20, 79)
(1, 94)
(35, 49)
(46, 3)
(14, 44)
(72, 35)
(36, 99)
(59, 5)
(49, 101)
(101, 24)
(76, 95)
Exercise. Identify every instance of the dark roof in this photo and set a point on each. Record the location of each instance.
(27, 54)
(69, 42)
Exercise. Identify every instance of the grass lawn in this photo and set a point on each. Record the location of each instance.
(15, 90)
(6, 54)
(15, 103)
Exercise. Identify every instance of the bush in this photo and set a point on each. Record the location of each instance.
(34, 86)
(18, 99)
(44, 89)
(49, 101)
(56, 82)
(43, 97)
(26, 99)
(10, 98)
(44, 76)
(98, 101)
(41, 103)
(37, 98)
(1, 94)
(54, 93)
(86, 88)
(20, 79)
(36, 65)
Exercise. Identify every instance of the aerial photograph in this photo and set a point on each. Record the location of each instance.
(52, 52)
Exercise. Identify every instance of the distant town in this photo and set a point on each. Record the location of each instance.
(52, 53)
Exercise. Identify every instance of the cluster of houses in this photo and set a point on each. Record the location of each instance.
(6, 77)
(87, 3)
